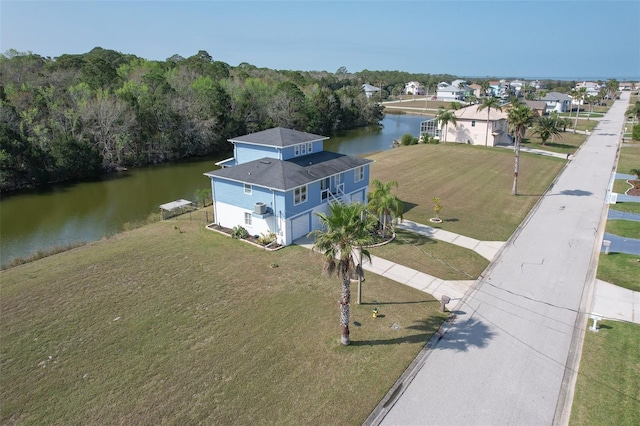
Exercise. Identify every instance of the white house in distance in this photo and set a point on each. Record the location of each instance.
(414, 88)
(471, 127)
(370, 90)
(558, 102)
(458, 90)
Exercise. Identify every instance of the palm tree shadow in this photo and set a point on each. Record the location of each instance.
(459, 337)
(462, 336)
(576, 192)
(424, 330)
(408, 206)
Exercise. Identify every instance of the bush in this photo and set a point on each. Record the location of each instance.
(635, 135)
(238, 232)
(266, 239)
(408, 139)
(427, 139)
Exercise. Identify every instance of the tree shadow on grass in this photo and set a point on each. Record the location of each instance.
(458, 337)
(408, 206)
(424, 330)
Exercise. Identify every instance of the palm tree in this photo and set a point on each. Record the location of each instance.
(445, 117)
(344, 232)
(546, 128)
(580, 96)
(634, 112)
(484, 86)
(520, 118)
(488, 103)
(383, 203)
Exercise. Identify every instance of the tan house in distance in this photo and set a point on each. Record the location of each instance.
(471, 127)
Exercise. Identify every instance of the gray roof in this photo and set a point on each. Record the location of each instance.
(278, 136)
(555, 96)
(285, 175)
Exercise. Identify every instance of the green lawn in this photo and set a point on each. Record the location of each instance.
(566, 142)
(620, 269)
(624, 228)
(158, 326)
(620, 186)
(629, 159)
(608, 386)
(473, 182)
(433, 257)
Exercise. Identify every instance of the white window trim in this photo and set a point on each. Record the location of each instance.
(309, 148)
(359, 174)
(306, 195)
(248, 189)
(247, 218)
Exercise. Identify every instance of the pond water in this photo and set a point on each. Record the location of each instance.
(61, 215)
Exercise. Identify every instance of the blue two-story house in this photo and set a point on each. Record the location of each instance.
(278, 178)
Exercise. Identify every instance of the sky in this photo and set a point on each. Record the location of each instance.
(519, 39)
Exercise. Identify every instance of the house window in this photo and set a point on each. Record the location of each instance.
(300, 195)
(247, 219)
(296, 150)
(309, 147)
(247, 189)
(473, 123)
(359, 174)
(303, 148)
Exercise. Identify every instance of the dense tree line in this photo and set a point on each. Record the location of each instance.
(77, 116)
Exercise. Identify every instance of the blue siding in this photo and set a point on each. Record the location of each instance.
(230, 192)
(348, 179)
(245, 153)
(289, 152)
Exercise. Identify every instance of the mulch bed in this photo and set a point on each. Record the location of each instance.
(250, 239)
(635, 191)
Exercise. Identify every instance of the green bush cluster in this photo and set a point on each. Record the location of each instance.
(635, 135)
(239, 232)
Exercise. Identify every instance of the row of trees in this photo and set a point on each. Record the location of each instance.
(76, 116)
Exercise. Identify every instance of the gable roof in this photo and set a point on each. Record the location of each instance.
(555, 96)
(471, 113)
(285, 175)
(279, 137)
(535, 104)
(370, 88)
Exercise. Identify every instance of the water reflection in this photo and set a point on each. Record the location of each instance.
(60, 215)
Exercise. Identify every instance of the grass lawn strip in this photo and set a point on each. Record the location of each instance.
(620, 269)
(474, 184)
(624, 228)
(192, 326)
(608, 386)
(433, 257)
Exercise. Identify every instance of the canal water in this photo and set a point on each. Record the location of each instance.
(61, 215)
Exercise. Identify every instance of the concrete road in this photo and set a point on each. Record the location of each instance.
(509, 356)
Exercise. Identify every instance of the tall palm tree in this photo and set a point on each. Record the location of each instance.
(445, 117)
(580, 96)
(520, 118)
(344, 232)
(488, 103)
(485, 86)
(546, 127)
(383, 203)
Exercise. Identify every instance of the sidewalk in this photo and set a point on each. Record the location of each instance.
(610, 301)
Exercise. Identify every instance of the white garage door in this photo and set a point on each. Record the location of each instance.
(299, 227)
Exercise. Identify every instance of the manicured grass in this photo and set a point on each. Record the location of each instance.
(624, 228)
(437, 258)
(629, 159)
(620, 186)
(159, 325)
(626, 207)
(474, 184)
(567, 142)
(608, 386)
(620, 269)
